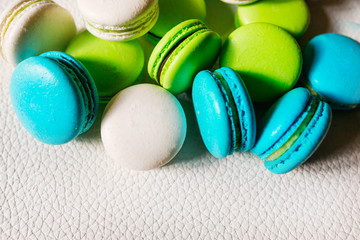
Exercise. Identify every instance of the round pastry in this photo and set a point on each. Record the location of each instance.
(54, 97)
(239, 2)
(113, 65)
(226, 116)
(267, 58)
(332, 70)
(291, 131)
(184, 51)
(173, 12)
(143, 127)
(31, 27)
(119, 20)
(293, 16)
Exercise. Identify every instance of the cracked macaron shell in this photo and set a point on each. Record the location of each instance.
(54, 102)
(197, 51)
(280, 124)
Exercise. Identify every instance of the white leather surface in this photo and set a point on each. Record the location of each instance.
(74, 192)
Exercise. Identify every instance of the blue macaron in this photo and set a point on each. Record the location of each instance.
(54, 97)
(332, 70)
(224, 112)
(291, 130)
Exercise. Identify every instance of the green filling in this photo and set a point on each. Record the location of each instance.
(297, 134)
(235, 114)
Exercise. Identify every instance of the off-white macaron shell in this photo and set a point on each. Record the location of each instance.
(38, 29)
(114, 12)
(143, 127)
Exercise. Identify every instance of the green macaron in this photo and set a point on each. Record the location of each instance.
(184, 51)
(267, 58)
(113, 65)
(293, 16)
(173, 12)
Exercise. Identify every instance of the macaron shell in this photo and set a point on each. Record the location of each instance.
(173, 12)
(244, 106)
(197, 54)
(212, 115)
(113, 13)
(113, 65)
(293, 16)
(276, 69)
(43, 27)
(332, 67)
(279, 119)
(306, 144)
(46, 100)
(124, 20)
(143, 127)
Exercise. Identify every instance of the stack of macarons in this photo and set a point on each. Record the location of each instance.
(61, 78)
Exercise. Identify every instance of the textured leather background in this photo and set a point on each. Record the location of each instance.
(74, 192)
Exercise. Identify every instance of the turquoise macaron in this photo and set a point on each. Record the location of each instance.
(332, 70)
(291, 130)
(224, 112)
(54, 97)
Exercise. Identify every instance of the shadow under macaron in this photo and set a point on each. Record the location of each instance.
(341, 142)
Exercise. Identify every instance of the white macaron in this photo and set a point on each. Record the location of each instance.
(31, 27)
(119, 20)
(143, 127)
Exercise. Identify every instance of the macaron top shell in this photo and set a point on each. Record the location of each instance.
(293, 16)
(264, 55)
(173, 12)
(32, 27)
(53, 100)
(121, 20)
(113, 13)
(143, 127)
(332, 68)
(290, 105)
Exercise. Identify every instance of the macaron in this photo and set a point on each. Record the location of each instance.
(239, 2)
(173, 12)
(332, 70)
(291, 130)
(224, 112)
(293, 16)
(113, 65)
(120, 20)
(143, 127)
(267, 58)
(184, 51)
(54, 97)
(31, 27)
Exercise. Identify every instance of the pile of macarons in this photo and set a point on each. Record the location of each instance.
(61, 77)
